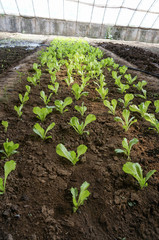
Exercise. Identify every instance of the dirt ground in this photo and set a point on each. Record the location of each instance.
(37, 204)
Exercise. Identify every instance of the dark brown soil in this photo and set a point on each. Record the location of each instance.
(37, 204)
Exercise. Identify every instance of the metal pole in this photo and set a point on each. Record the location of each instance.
(17, 7)
(2, 7)
(119, 13)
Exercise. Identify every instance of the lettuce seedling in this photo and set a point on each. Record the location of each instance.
(156, 103)
(127, 99)
(126, 123)
(84, 194)
(60, 105)
(142, 108)
(74, 122)
(5, 125)
(54, 87)
(24, 99)
(129, 78)
(136, 171)
(102, 92)
(19, 110)
(121, 87)
(45, 98)
(144, 96)
(77, 91)
(41, 132)
(70, 155)
(32, 80)
(111, 106)
(115, 76)
(154, 122)
(8, 167)
(140, 85)
(28, 88)
(123, 69)
(81, 109)
(127, 147)
(41, 112)
(69, 80)
(9, 148)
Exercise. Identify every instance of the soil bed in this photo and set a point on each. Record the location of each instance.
(37, 204)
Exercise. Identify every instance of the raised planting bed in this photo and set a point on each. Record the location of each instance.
(37, 203)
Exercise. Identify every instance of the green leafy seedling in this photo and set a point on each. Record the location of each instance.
(60, 105)
(127, 98)
(70, 155)
(77, 91)
(74, 122)
(54, 88)
(126, 123)
(24, 99)
(140, 85)
(135, 170)
(123, 69)
(111, 106)
(127, 147)
(42, 112)
(19, 110)
(102, 92)
(8, 167)
(28, 88)
(144, 95)
(32, 80)
(84, 194)
(154, 122)
(129, 78)
(156, 103)
(5, 125)
(9, 148)
(44, 98)
(142, 108)
(41, 132)
(81, 109)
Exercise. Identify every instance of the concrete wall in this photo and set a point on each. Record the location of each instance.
(33, 25)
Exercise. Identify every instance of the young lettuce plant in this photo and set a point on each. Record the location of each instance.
(140, 85)
(144, 96)
(126, 123)
(24, 99)
(5, 125)
(77, 91)
(127, 147)
(142, 108)
(84, 194)
(102, 92)
(81, 109)
(8, 167)
(54, 87)
(19, 110)
(123, 69)
(156, 103)
(129, 78)
(42, 112)
(121, 87)
(154, 122)
(9, 148)
(41, 132)
(135, 170)
(111, 106)
(127, 98)
(32, 80)
(44, 98)
(28, 88)
(74, 122)
(60, 105)
(70, 155)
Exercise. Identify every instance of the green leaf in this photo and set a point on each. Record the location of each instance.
(90, 118)
(156, 103)
(119, 150)
(1, 186)
(39, 130)
(51, 126)
(63, 152)
(8, 167)
(81, 150)
(149, 174)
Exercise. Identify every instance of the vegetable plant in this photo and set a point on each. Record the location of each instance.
(41, 132)
(129, 78)
(142, 108)
(24, 99)
(127, 98)
(45, 98)
(33, 80)
(154, 122)
(123, 69)
(156, 103)
(54, 87)
(5, 125)
(136, 171)
(9, 148)
(19, 110)
(8, 168)
(71, 155)
(127, 147)
(144, 95)
(81, 109)
(102, 92)
(77, 91)
(111, 105)
(84, 194)
(140, 85)
(74, 122)
(121, 87)
(126, 123)
(41, 112)
(28, 88)
(60, 105)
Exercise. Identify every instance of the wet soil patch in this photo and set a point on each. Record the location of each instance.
(37, 204)
(142, 58)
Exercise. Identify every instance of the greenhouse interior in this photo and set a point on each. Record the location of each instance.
(79, 119)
